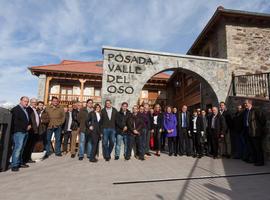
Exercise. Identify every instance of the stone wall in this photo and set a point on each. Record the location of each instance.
(248, 48)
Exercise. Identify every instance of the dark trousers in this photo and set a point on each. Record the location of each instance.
(147, 141)
(67, 138)
(95, 140)
(180, 143)
(197, 145)
(215, 143)
(257, 150)
(187, 141)
(157, 139)
(136, 140)
(29, 147)
(172, 145)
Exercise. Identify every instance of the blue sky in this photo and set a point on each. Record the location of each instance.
(48, 31)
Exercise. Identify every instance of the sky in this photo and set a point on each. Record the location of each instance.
(48, 31)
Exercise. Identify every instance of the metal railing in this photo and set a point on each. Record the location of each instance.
(253, 85)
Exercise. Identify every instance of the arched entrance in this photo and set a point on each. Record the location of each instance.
(126, 71)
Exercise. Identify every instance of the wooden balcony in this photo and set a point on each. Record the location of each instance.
(69, 99)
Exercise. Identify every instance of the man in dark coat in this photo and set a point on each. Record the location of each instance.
(237, 144)
(108, 125)
(184, 138)
(136, 126)
(227, 142)
(254, 127)
(33, 135)
(217, 130)
(44, 121)
(121, 130)
(21, 124)
(196, 130)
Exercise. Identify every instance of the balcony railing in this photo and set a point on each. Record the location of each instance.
(69, 99)
(254, 85)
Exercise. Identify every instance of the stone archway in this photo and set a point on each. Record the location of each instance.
(126, 71)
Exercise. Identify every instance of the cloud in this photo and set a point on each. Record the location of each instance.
(46, 31)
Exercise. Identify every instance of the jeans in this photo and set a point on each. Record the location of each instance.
(57, 135)
(82, 145)
(119, 139)
(108, 141)
(19, 139)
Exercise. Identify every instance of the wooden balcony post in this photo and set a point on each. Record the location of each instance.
(48, 79)
(82, 81)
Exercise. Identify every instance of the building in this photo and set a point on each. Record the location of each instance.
(73, 81)
(243, 38)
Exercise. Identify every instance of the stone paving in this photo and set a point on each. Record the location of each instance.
(70, 179)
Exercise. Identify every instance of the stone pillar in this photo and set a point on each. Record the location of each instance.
(82, 81)
(46, 99)
(41, 87)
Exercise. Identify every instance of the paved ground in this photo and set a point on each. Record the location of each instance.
(67, 178)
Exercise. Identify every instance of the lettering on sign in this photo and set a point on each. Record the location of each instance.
(119, 70)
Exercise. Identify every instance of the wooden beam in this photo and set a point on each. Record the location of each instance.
(48, 79)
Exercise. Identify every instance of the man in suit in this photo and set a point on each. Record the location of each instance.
(184, 138)
(254, 127)
(20, 126)
(226, 143)
(108, 123)
(67, 128)
(217, 130)
(197, 130)
(44, 121)
(33, 132)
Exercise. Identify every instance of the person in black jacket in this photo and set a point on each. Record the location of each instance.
(217, 130)
(121, 130)
(135, 128)
(227, 142)
(108, 125)
(157, 128)
(254, 127)
(237, 144)
(21, 124)
(94, 131)
(184, 138)
(33, 132)
(197, 130)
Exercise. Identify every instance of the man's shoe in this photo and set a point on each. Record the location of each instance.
(107, 159)
(148, 154)
(116, 158)
(170, 154)
(15, 169)
(31, 161)
(80, 158)
(24, 165)
(58, 155)
(45, 157)
(127, 158)
(175, 154)
(93, 160)
(72, 156)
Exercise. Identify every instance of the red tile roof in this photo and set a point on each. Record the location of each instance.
(72, 66)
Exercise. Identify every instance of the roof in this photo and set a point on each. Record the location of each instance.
(220, 13)
(79, 67)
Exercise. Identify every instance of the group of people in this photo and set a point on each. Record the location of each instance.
(215, 132)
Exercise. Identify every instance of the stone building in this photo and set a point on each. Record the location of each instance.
(240, 37)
